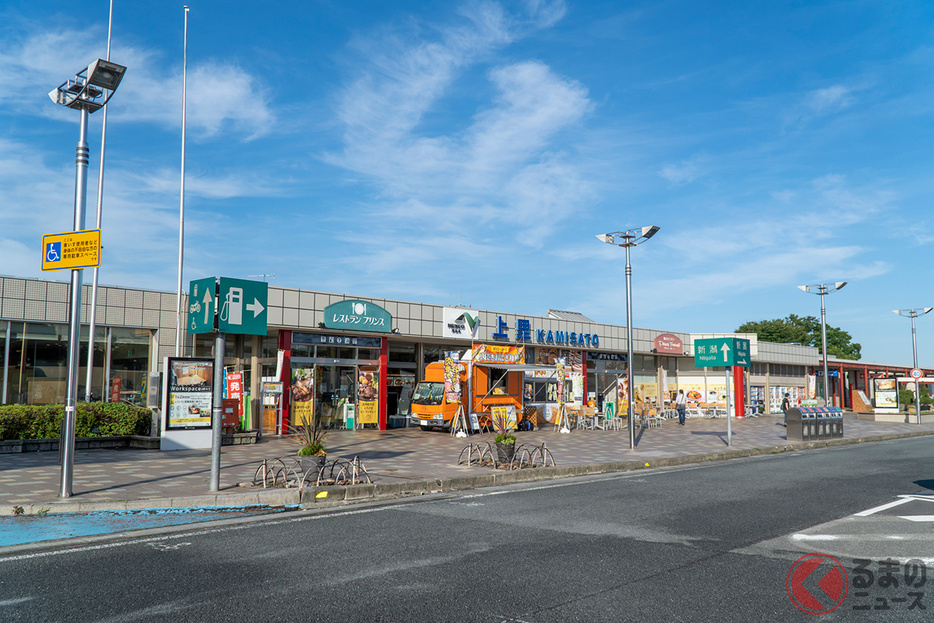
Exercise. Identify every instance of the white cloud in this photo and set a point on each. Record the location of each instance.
(835, 97)
(504, 167)
(684, 172)
(221, 96)
(818, 103)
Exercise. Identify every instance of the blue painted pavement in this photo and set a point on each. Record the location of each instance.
(21, 529)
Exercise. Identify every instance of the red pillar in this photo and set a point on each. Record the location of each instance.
(383, 372)
(285, 345)
(739, 391)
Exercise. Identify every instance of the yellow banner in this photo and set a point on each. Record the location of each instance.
(368, 411)
(303, 412)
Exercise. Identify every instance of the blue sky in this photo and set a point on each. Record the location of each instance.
(467, 152)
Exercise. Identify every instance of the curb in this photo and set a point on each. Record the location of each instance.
(353, 494)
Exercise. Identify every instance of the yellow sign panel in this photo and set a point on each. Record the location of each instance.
(71, 249)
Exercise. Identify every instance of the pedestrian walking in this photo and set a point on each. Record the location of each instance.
(786, 404)
(680, 405)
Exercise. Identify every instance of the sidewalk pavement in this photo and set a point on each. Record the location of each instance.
(400, 462)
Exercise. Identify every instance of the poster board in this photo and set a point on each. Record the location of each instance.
(187, 403)
(886, 391)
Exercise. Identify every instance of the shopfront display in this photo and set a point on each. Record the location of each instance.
(334, 376)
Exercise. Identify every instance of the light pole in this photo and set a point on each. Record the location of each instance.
(823, 289)
(627, 239)
(914, 313)
(88, 91)
(181, 197)
(92, 311)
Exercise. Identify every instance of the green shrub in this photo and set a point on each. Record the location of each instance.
(94, 419)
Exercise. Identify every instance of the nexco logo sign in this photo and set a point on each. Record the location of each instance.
(461, 323)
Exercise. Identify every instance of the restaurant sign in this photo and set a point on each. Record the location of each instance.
(668, 344)
(357, 316)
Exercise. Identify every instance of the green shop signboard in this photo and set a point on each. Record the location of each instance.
(357, 316)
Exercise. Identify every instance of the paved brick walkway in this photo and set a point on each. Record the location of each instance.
(104, 478)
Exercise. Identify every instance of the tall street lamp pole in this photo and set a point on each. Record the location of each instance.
(823, 289)
(92, 311)
(627, 239)
(914, 313)
(87, 92)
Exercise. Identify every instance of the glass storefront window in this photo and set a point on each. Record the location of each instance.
(303, 350)
(401, 352)
(368, 353)
(430, 354)
(37, 373)
(129, 360)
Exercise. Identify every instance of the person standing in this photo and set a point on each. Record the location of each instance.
(680, 405)
(786, 404)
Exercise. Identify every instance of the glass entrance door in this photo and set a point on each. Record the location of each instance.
(336, 386)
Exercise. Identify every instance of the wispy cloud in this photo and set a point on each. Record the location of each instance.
(683, 172)
(818, 103)
(507, 165)
(221, 96)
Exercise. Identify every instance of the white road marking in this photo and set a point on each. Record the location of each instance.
(877, 509)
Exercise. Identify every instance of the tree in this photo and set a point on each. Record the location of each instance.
(806, 331)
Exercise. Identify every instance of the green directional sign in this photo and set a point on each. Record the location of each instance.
(202, 305)
(721, 351)
(242, 306)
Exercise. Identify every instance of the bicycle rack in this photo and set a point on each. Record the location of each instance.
(525, 456)
(289, 472)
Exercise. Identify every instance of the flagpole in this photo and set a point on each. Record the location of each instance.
(92, 310)
(181, 208)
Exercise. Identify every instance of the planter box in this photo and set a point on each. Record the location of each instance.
(81, 443)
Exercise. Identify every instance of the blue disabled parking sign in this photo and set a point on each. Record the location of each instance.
(53, 252)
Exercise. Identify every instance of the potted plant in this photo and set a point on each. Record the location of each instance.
(505, 440)
(310, 434)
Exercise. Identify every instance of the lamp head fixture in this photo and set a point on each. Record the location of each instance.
(913, 313)
(630, 237)
(91, 88)
(823, 288)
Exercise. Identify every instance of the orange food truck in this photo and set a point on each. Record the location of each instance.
(487, 376)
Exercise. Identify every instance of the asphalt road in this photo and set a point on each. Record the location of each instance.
(713, 542)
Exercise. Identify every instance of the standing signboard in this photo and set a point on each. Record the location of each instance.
(187, 403)
(726, 352)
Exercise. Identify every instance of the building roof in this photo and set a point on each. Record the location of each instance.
(568, 315)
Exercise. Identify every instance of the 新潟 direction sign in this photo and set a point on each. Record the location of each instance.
(71, 250)
(721, 351)
(202, 306)
(242, 306)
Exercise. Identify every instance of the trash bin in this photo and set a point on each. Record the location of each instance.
(836, 423)
(822, 424)
(797, 426)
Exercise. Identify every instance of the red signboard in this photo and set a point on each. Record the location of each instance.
(669, 344)
(116, 384)
(235, 389)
